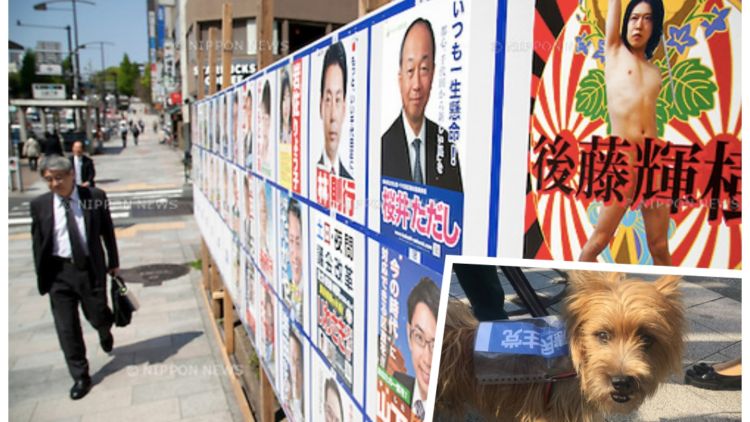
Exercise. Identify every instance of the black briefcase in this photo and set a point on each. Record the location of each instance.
(124, 302)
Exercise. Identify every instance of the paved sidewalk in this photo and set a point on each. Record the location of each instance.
(149, 165)
(165, 366)
(714, 313)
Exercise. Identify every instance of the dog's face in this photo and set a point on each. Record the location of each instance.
(625, 336)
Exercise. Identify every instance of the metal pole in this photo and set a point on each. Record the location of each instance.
(72, 60)
(78, 63)
(101, 47)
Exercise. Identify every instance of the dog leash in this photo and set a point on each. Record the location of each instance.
(551, 382)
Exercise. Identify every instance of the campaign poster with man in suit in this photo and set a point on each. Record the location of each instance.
(420, 123)
(409, 297)
(338, 103)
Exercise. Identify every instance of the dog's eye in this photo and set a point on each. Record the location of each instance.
(603, 337)
(646, 340)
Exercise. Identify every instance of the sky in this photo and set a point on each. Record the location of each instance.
(122, 22)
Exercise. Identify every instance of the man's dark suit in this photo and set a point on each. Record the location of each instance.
(395, 163)
(68, 285)
(343, 173)
(87, 169)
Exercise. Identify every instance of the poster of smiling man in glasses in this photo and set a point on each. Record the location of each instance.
(408, 309)
(635, 148)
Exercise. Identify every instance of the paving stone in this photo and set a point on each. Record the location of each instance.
(723, 315)
(187, 381)
(207, 402)
(694, 294)
(21, 412)
(155, 411)
(214, 417)
(702, 341)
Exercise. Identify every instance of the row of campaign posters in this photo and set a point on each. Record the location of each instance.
(330, 186)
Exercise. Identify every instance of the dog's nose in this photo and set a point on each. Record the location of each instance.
(623, 383)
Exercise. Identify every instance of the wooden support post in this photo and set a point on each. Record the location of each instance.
(201, 72)
(211, 61)
(363, 7)
(265, 33)
(205, 258)
(228, 323)
(266, 398)
(213, 287)
(226, 46)
(247, 414)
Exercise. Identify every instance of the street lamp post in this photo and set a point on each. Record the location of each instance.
(70, 47)
(77, 71)
(102, 95)
(101, 48)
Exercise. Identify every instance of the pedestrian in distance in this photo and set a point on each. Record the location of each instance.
(68, 225)
(32, 149)
(52, 145)
(136, 132)
(124, 133)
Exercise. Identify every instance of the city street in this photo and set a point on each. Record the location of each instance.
(165, 365)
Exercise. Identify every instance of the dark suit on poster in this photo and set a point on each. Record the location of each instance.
(87, 169)
(342, 173)
(395, 157)
(406, 380)
(68, 283)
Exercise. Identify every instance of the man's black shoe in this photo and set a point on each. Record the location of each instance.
(80, 388)
(107, 341)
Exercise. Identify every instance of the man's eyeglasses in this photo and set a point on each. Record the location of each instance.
(417, 336)
(59, 178)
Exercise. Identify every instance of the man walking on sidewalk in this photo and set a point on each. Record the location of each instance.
(83, 166)
(67, 228)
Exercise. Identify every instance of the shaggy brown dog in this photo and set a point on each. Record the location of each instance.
(625, 338)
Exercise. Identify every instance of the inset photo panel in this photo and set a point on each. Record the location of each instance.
(535, 340)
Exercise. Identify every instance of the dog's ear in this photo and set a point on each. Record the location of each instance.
(669, 286)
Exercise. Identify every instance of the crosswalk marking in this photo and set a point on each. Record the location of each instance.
(120, 204)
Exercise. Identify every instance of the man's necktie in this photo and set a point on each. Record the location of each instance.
(416, 172)
(419, 410)
(79, 252)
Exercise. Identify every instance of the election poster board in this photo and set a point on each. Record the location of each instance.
(284, 125)
(337, 125)
(431, 136)
(266, 145)
(681, 180)
(408, 302)
(338, 254)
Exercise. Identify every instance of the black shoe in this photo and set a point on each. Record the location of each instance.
(707, 378)
(80, 388)
(107, 341)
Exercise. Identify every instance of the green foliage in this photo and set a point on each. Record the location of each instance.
(27, 74)
(127, 76)
(693, 93)
(591, 96)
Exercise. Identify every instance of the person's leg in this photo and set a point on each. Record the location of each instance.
(609, 218)
(64, 301)
(94, 304)
(656, 222)
(482, 286)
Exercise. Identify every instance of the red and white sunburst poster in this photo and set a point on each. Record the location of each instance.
(578, 167)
